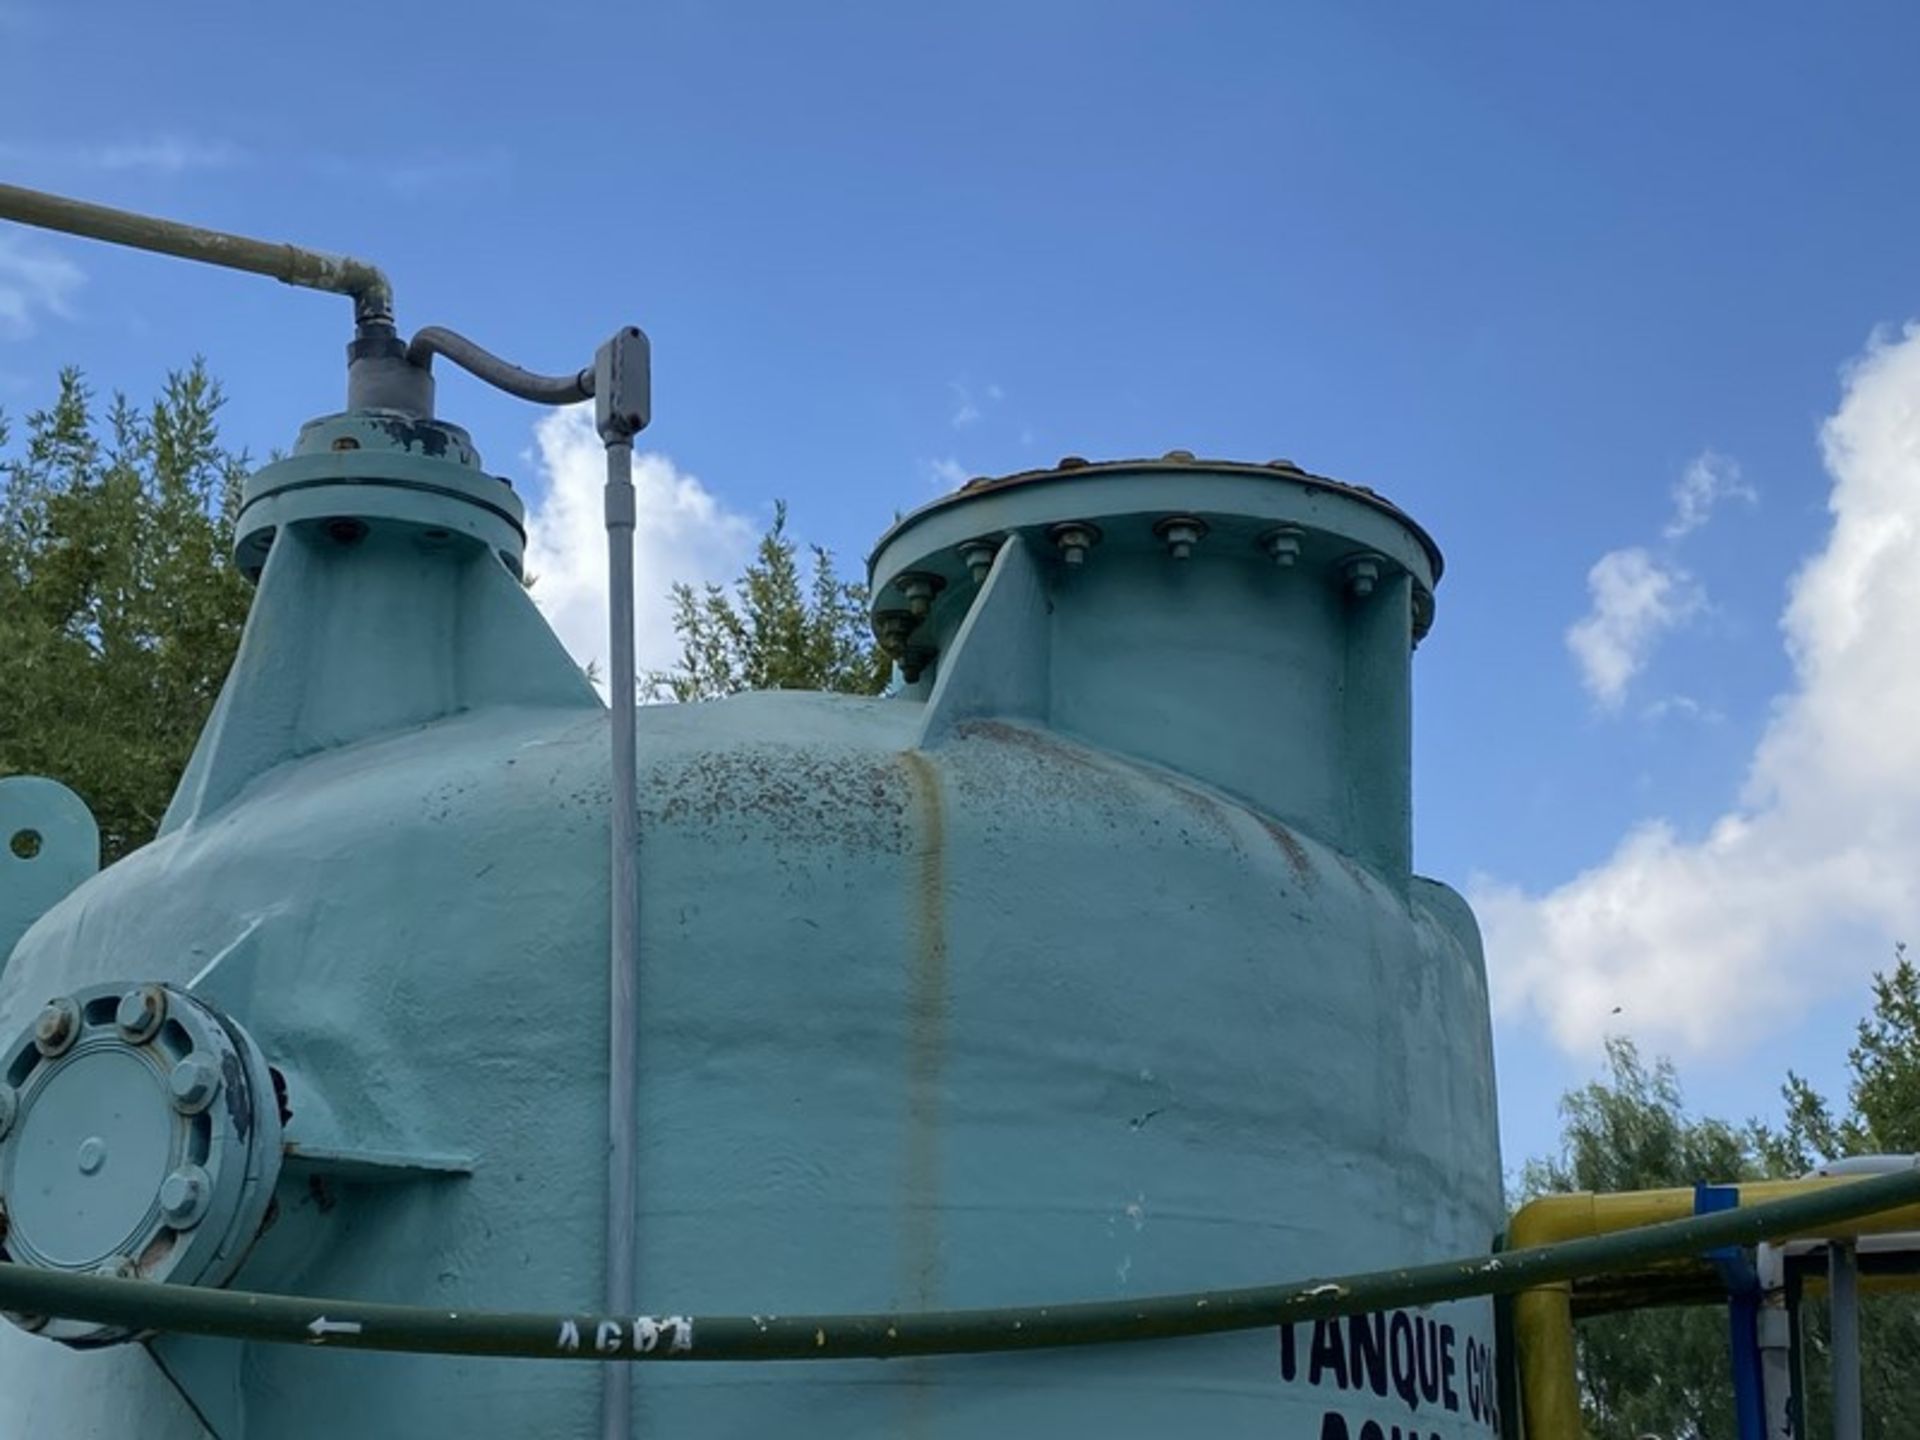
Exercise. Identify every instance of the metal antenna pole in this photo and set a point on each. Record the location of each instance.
(622, 408)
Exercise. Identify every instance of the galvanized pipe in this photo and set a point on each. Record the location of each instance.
(1843, 1308)
(622, 1336)
(476, 359)
(623, 1010)
(341, 274)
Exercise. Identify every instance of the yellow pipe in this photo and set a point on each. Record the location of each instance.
(1543, 1318)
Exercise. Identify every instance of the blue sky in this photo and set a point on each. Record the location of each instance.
(1527, 269)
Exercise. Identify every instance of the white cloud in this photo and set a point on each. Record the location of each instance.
(33, 282)
(1709, 479)
(1709, 943)
(1635, 598)
(165, 155)
(683, 533)
(965, 412)
(947, 473)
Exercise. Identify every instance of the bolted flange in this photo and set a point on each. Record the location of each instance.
(117, 1161)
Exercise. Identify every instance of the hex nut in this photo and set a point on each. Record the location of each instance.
(1181, 533)
(977, 556)
(57, 1027)
(184, 1195)
(1363, 573)
(193, 1084)
(142, 1011)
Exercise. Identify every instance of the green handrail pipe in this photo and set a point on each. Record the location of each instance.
(306, 1320)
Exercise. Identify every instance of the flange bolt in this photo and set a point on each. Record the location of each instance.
(193, 1084)
(120, 1267)
(919, 590)
(57, 1028)
(1363, 574)
(142, 1012)
(977, 556)
(184, 1195)
(1283, 545)
(1074, 539)
(1181, 532)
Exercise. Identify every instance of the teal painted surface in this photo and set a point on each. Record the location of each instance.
(49, 843)
(1018, 993)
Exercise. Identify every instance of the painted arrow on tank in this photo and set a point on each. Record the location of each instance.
(323, 1327)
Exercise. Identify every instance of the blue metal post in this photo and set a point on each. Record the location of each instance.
(1743, 1316)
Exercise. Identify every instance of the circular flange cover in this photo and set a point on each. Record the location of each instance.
(139, 1137)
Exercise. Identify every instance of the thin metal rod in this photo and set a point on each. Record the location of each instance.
(621, 1335)
(341, 274)
(623, 1011)
(1843, 1308)
(541, 389)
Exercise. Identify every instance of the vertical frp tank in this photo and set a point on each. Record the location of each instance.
(1088, 965)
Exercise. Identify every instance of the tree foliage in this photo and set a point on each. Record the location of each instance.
(1661, 1372)
(1665, 1372)
(119, 613)
(777, 628)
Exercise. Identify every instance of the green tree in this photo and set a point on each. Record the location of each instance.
(1665, 1372)
(119, 613)
(1882, 1117)
(1661, 1372)
(775, 629)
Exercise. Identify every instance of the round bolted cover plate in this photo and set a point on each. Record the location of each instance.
(86, 1159)
(97, 1132)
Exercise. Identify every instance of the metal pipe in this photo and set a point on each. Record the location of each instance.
(1843, 1308)
(1544, 1325)
(304, 1320)
(541, 389)
(623, 1010)
(341, 274)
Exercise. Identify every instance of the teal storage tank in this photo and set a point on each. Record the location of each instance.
(1089, 964)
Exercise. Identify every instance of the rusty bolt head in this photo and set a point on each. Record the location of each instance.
(193, 1084)
(9, 1107)
(919, 589)
(184, 1195)
(57, 1027)
(142, 1012)
(891, 628)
